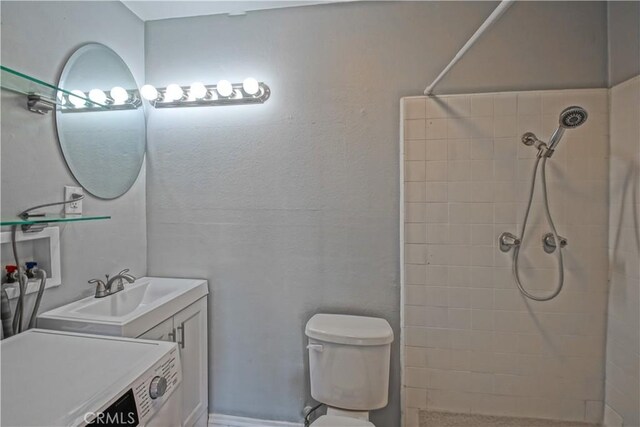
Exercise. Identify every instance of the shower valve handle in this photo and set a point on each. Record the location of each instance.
(508, 241)
(549, 242)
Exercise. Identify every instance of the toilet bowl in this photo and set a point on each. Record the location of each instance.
(349, 360)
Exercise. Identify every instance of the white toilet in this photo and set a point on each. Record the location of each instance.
(349, 367)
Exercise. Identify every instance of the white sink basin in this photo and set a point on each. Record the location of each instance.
(139, 307)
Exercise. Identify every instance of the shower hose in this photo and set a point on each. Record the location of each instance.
(516, 250)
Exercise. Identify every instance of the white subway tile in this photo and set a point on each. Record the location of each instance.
(529, 104)
(482, 149)
(414, 129)
(415, 233)
(436, 171)
(459, 106)
(436, 107)
(505, 104)
(415, 212)
(415, 108)
(415, 150)
(436, 149)
(436, 129)
(482, 105)
(459, 149)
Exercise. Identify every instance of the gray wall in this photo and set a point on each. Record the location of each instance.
(291, 208)
(37, 38)
(624, 40)
(622, 383)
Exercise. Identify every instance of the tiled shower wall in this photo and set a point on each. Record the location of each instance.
(472, 342)
(623, 338)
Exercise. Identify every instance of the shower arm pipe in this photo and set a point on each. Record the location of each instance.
(495, 15)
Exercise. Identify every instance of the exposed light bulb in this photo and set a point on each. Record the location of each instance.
(119, 95)
(198, 90)
(77, 98)
(224, 88)
(96, 95)
(149, 92)
(251, 86)
(173, 93)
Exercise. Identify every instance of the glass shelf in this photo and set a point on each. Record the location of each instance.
(16, 81)
(50, 219)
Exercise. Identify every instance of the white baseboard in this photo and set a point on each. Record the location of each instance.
(220, 420)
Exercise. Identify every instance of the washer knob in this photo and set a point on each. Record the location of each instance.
(158, 387)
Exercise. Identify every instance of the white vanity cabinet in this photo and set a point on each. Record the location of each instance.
(188, 328)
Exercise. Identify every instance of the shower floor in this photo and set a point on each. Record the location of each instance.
(450, 419)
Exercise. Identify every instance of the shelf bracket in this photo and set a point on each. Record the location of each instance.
(38, 104)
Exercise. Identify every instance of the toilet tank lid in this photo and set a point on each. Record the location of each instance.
(351, 330)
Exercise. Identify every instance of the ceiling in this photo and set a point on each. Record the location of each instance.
(154, 10)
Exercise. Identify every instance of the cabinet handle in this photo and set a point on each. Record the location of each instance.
(181, 329)
(172, 335)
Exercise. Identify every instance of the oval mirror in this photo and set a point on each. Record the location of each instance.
(103, 142)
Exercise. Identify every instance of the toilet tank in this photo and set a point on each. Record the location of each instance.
(349, 360)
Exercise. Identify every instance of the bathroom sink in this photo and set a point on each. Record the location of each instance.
(131, 312)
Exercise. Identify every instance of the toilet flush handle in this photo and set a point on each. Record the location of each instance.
(316, 347)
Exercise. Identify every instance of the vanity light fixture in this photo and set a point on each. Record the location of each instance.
(118, 98)
(250, 91)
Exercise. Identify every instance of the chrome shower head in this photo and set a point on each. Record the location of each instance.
(570, 118)
(573, 117)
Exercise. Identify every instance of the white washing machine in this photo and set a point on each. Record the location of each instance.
(52, 378)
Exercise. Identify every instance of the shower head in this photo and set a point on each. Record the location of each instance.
(570, 118)
(573, 117)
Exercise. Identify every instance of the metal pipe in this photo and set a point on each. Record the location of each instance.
(495, 15)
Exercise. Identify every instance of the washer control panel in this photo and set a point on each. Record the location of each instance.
(153, 388)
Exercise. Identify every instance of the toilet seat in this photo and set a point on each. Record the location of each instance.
(334, 421)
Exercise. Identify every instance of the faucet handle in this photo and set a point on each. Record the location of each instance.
(101, 289)
(125, 273)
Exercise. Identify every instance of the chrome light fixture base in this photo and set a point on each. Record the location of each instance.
(212, 97)
(132, 102)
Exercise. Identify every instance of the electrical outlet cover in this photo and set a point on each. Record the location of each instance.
(74, 208)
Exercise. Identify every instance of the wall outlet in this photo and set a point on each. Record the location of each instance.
(74, 208)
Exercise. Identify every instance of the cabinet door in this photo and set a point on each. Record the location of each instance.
(191, 336)
(162, 332)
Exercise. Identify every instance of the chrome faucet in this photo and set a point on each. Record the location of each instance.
(105, 289)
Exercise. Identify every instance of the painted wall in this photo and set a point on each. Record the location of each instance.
(291, 208)
(622, 384)
(33, 169)
(623, 343)
(624, 40)
(474, 344)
